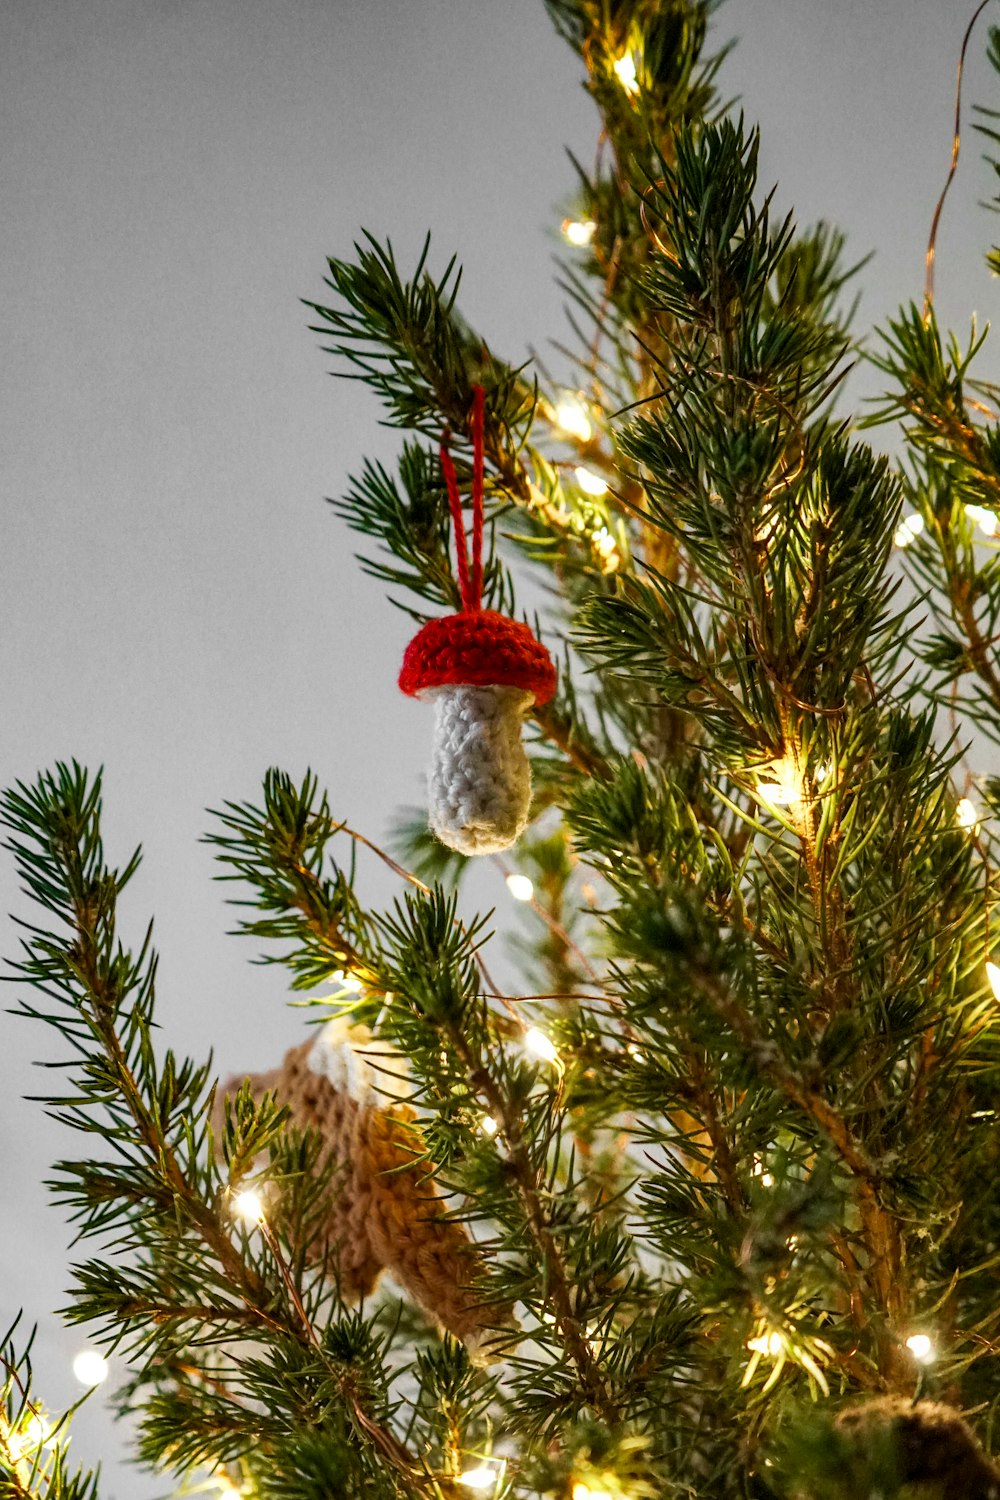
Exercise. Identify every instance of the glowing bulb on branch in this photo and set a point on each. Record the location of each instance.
(90, 1367)
(346, 981)
(993, 975)
(484, 1477)
(249, 1206)
(921, 1347)
(583, 1491)
(488, 1126)
(538, 1045)
(784, 787)
(985, 519)
(590, 483)
(626, 74)
(966, 814)
(222, 1484)
(908, 530)
(768, 1343)
(36, 1433)
(774, 792)
(572, 418)
(606, 548)
(578, 232)
(520, 887)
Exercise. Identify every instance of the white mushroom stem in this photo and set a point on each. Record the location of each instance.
(480, 780)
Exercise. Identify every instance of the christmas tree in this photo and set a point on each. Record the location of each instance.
(697, 1196)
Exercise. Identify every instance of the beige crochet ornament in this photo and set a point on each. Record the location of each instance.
(385, 1212)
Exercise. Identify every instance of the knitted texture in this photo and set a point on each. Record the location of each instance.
(482, 649)
(932, 1446)
(483, 670)
(385, 1213)
(480, 780)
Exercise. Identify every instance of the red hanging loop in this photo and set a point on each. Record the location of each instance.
(471, 587)
(478, 402)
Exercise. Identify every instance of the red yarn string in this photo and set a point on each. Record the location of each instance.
(478, 402)
(471, 588)
(455, 502)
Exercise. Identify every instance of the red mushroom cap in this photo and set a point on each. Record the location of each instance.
(481, 648)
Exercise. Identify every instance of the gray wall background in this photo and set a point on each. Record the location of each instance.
(177, 602)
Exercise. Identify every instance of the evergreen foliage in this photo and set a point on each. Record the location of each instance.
(730, 1151)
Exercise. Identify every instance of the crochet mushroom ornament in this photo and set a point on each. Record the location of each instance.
(483, 672)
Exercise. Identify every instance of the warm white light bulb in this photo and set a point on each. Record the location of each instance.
(779, 793)
(345, 981)
(908, 529)
(921, 1348)
(488, 1125)
(573, 419)
(590, 483)
(993, 975)
(520, 887)
(985, 519)
(578, 232)
(583, 1491)
(478, 1479)
(484, 1476)
(966, 814)
(249, 1206)
(782, 786)
(626, 74)
(604, 542)
(768, 1343)
(223, 1484)
(36, 1433)
(539, 1045)
(90, 1367)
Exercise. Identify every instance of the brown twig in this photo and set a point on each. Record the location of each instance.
(880, 1229)
(530, 1186)
(555, 729)
(251, 1287)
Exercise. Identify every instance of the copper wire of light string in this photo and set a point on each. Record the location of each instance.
(387, 859)
(556, 928)
(471, 587)
(405, 874)
(647, 226)
(955, 146)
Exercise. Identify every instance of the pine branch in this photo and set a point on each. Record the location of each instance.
(163, 1205)
(280, 850)
(33, 1458)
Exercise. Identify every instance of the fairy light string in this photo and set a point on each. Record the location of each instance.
(952, 169)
